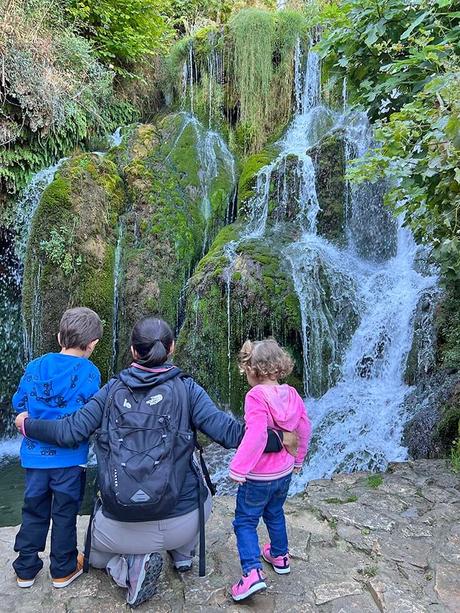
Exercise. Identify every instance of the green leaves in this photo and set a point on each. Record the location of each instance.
(403, 64)
(413, 25)
(123, 31)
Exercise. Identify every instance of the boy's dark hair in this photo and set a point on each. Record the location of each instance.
(152, 339)
(78, 327)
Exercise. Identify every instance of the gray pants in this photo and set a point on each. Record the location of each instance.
(112, 539)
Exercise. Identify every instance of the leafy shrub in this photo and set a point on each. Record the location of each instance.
(402, 63)
(123, 31)
(56, 95)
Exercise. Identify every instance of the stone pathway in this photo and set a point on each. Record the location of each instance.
(359, 543)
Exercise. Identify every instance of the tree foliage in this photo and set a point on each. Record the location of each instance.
(123, 31)
(402, 63)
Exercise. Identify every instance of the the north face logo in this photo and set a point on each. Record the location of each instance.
(154, 400)
(127, 404)
(140, 496)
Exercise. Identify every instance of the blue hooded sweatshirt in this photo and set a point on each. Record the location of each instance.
(52, 387)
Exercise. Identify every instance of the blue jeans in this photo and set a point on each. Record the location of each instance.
(256, 499)
(51, 493)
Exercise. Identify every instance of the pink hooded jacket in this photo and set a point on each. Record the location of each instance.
(270, 406)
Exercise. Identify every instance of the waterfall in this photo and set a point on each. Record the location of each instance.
(116, 298)
(310, 123)
(212, 151)
(357, 300)
(28, 203)
(13, 248)
(116, 138)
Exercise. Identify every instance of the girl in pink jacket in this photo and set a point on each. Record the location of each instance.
(264, 478)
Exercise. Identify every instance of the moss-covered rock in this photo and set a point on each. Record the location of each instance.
(239, 291)
(435, 401)
(421, 357)
(179, 179)
(288, 176)
(70, 254)
(329, 161)
(447, 325)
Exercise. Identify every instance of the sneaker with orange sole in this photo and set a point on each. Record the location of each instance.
(65, 581)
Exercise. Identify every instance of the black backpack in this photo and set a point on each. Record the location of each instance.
(144, 447)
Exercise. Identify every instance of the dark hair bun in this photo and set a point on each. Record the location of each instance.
(152, 339)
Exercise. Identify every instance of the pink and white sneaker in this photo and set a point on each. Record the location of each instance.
(249, 584)
(280, 563)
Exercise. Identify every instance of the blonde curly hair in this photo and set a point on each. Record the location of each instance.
(265, 359)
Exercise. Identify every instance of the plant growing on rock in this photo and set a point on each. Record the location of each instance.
(58, 249)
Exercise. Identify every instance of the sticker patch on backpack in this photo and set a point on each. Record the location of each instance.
(154, 400)
(140, 496)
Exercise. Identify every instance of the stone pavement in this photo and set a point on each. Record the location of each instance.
(359, 543)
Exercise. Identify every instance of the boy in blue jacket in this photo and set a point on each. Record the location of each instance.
(52, 387)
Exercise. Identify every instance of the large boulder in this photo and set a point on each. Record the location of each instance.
(70, 255)
(291, 178)
(179, 179)
(239, 291)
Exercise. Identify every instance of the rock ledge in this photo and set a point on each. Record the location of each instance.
(359, 542)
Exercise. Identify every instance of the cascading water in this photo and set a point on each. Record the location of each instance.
(358, 422)
(355, 389)
(211, 150)
(116, 297)
(14, 247)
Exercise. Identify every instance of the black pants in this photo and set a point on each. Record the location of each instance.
(51, 493)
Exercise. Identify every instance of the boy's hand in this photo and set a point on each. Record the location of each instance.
(291, 442)
(19, 421)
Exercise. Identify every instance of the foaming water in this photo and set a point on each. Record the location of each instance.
(357, 301)
(9, 449)
(358, 422)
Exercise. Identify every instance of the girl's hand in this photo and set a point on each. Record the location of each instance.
(291, 442)
(238, 480)
(19, 421)
(297, 470)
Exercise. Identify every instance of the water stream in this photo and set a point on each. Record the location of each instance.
(358, 422)
(356, 400)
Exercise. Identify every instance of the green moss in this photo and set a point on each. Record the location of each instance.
(329, 161)
(248, 177)
(340, 500)
(259, 286)
(448, 327)
(85, 199)
(166, 226)
(449, 423)
(374, 481)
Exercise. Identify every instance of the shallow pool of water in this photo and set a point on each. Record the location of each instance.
(12, 491)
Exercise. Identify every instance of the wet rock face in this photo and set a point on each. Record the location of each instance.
(434, 404)
(433, 368)
(252, 297)
(179, 185)
(359, 543)
(71, 250)
(421, 359)
(329, 161)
